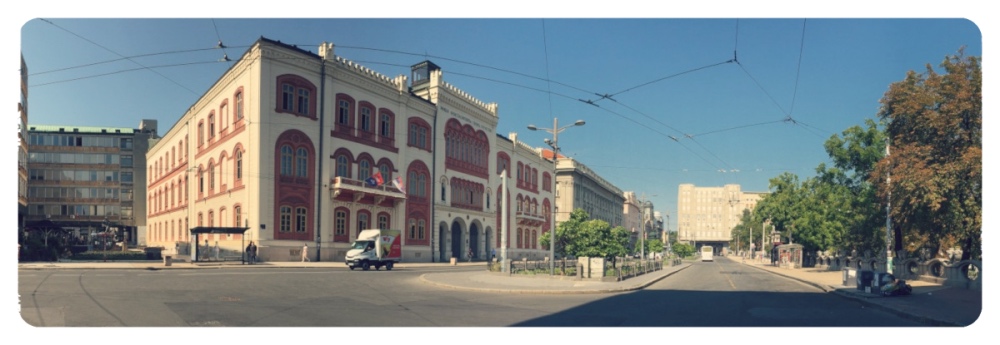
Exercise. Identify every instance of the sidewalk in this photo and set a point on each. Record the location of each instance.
(931, 304)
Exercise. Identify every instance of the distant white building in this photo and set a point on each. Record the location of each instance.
(707, 215)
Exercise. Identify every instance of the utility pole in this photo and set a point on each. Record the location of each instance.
(888, 215)
(503, 221)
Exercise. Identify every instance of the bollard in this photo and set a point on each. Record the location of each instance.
(166, 260)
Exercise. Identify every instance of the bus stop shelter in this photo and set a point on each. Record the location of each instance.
(790, 255)
(196, 231)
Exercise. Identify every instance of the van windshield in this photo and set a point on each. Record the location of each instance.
(363, 245)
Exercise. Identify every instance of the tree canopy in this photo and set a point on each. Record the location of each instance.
(931, 176)
(934, 167)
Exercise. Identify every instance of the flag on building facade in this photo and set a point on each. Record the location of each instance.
(375, 180)
(398, 183)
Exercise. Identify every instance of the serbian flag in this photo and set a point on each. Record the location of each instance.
(398, 183)
(375, 180)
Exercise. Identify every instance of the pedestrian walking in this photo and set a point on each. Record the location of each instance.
(469, 254)
(305, 251)
(215, 251)
(493, 254)
(253, 253)
(247, 253)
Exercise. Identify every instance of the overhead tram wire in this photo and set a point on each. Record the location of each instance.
(123, 71)
(425, 55)
(116, 53)
(225, 54)
(118, 59)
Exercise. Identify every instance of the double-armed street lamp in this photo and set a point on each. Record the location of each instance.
(554, 143)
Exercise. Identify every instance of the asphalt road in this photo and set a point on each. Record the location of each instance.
(708, 294)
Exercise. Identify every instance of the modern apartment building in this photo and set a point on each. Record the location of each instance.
(22, 148)
(707, 215)
(294, 148)
(88, 180)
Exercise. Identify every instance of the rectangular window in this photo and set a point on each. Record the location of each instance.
(366, 115)
(340, 227)
(287, 97)
(239, 106)
(126, 160)
(126, 177)
(300, 219)
(303, 102)
(211, 126)
(343, 112)
(285, 219)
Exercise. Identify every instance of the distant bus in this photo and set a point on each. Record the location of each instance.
(706, 253)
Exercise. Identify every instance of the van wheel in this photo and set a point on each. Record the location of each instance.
(388, 266)
(365, 265)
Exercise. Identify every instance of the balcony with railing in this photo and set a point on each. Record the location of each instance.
(358, 190)
(529, 218)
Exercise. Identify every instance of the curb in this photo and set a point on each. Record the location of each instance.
(866, 301)
(424, 279)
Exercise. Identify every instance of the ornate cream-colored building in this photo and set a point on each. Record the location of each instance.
(707, 215)
(290, 144)
(577, 186)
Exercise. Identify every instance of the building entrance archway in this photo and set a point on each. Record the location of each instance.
(456, 240)
(474, 240)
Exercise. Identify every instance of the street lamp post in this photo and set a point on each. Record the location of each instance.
(554, 143)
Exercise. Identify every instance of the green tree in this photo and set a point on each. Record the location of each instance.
(934, 122)
(683, 250)
(654, 246)
(855, 154)
(582, 236)
(565, 232)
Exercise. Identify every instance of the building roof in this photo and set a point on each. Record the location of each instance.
(81, 129)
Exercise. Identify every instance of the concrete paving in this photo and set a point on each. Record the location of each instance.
(931, 304)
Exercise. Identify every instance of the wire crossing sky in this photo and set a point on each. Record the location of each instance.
(666, 101)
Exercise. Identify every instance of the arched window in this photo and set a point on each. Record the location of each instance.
(286, 160)
(365, 118)
(364, 169)
(239, 165)
(239, 105)
(383, 221)
(294, 95)
(343, 166)
(385, 125)
(363, 219)
(211, 125)
(340, 222)
(301, 163)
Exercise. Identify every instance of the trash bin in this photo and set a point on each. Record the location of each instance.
(850, 276)
(166, 260)
(880, 279)
(454, 261)
(864, 280)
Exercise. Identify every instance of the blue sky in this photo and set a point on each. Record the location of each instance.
(667, 77)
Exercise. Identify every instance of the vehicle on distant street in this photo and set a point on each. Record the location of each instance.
(706, 253)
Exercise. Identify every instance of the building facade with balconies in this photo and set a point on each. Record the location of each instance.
(293, 148)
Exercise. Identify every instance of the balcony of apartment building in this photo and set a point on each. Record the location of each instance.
(358, 190)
